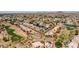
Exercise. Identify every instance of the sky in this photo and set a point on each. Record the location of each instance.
(39, 5)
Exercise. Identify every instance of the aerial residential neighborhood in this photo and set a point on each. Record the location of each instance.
(39, 30)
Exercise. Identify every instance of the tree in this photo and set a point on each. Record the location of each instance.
(58, 44)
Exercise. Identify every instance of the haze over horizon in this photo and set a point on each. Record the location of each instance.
(1, 12)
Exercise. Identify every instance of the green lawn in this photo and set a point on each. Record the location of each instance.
(14, 36)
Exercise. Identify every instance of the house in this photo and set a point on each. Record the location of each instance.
(74, 43)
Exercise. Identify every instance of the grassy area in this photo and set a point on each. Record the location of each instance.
(14, 36)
